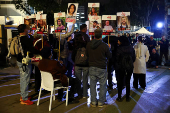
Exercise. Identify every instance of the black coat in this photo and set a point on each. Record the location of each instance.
(113, 41)
(164, 45)
(121, 50)
(154, 57)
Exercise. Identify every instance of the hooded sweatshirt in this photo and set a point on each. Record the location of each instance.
(98, 53)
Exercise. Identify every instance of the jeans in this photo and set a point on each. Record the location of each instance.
(78, 74)
(98, 74)
(69, 68)
(65, 61)
(24, 79)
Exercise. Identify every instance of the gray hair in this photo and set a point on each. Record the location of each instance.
(98, 33)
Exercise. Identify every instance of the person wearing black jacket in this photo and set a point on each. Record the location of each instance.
(151, 44)
(123, 49)
(164, 44)
(80, 68)
(111, 63)
(83, 30)
(25, 70)
(154, 59)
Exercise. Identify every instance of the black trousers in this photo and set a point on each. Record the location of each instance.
(37, 79)
(165, 54)
(122, 75)
(141, 78)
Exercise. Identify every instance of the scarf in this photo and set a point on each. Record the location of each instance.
(138, 50)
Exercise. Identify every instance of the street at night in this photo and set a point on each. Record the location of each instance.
(154, 99)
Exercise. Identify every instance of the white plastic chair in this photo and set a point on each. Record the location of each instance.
(47, 83)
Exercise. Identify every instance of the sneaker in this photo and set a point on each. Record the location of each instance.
(92, 105)
(27, 102)
(29, 98)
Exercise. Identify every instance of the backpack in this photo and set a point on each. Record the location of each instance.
(127, 62)
(15, 47)
(81, 57)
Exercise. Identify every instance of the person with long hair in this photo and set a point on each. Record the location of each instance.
(125, 56)
(71, 10)
(93, 12)
(142, 56)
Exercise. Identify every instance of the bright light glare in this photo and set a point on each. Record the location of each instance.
(159, 25)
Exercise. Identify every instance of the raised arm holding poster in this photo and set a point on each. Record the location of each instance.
(93, 9)
(71, 12)
(59, 22)
(108, 23)
(123, 21)
(95, 22)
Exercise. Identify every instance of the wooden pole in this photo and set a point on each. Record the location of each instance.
(59, 48)
(42, 41)
(108, 59)
(108, 39)
(91, 37)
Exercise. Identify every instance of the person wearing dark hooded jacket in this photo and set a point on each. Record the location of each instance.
(98, 54)
(111, 63)
(80, 68)
(122, 74)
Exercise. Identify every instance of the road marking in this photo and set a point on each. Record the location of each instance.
(157, 84)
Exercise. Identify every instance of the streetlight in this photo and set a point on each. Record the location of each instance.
(159, 25)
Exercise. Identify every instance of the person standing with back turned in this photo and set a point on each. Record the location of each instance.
(142, 56)
(98, 54)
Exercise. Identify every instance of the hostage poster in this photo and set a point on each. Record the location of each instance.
(95, 22)
(123, 21)
(60, 22)
(93, 9)
(108, 24)
(71, 12)
(30, 21)
(41, 23)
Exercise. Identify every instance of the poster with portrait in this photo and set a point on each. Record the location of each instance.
(123, 21)
(27, 20)
(41, 23)
(95, 22)
(71, 12)
(33, 22)
(39, 12)
(108, 24)
(93, 9)
(60, 22)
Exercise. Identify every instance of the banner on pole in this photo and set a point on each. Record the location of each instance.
(123, 21)
(108, 24)
(95, 22)
(71, 12)
(41, 23)
(60, 22)
(93, 9)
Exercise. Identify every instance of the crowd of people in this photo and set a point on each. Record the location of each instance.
(82, 58)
